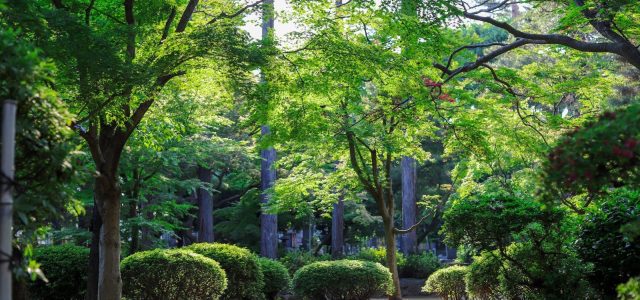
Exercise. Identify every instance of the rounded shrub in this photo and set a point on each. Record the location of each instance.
(342, 279)
(447, 283)
(244, 276)
(66, 269)
(276, 277)
(419, 265)
(171, 274)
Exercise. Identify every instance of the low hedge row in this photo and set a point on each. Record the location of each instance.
(200, 271)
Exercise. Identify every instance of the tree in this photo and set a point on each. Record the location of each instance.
(111, 89)
(367, 110)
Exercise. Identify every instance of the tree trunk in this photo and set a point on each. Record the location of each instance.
(205, 208)
(107, 195)
(135, 230)
(306, 236)
(94, 255)
(390, 240)
(268, 222)
(337, 229)
(133, 211)
(409, 206)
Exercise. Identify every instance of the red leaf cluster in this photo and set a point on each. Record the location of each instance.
(446, 97)
(430, 83)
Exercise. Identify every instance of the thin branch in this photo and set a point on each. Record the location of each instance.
(471, 47)
(485, 59)
(412, 227)
(235, 14)
(167, 24)
(87, 13)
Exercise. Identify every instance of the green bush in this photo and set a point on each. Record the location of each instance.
(171, 274)
(244, 276)
(276, 277)
(482, 279)
(295, 260)
(419, 265)
(447, 283)
(66, 269)
(378, 255)
(342, 279)
(629, 290)
(601, 242)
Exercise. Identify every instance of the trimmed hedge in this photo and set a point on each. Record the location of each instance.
(66, 269)
(171, 274)
(276, 277)
(342, 279)
(447, 283)
(244, 277)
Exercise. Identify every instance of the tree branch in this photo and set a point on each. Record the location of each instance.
(224, 15)
(186, 15)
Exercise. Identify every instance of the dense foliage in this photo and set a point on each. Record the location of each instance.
(295, 260)
(506, 129)
(65, 268)
(172, 274)
(342, 279)
(244, 275)
(276, 277)
(599, 155)
(615, 257)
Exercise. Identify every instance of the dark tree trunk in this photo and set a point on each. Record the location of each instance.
(337, 229)
(134, 244)
(268, 222)
(205, 208)
(145, 239)
(409, 206)
(306, 236)
(94, 255)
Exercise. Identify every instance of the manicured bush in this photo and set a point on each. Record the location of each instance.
(244, 277)
(66, 269)
(171, 274)
(342, 279)
(294, 260)
(419, 265)
(276, 277)
(447, 283)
